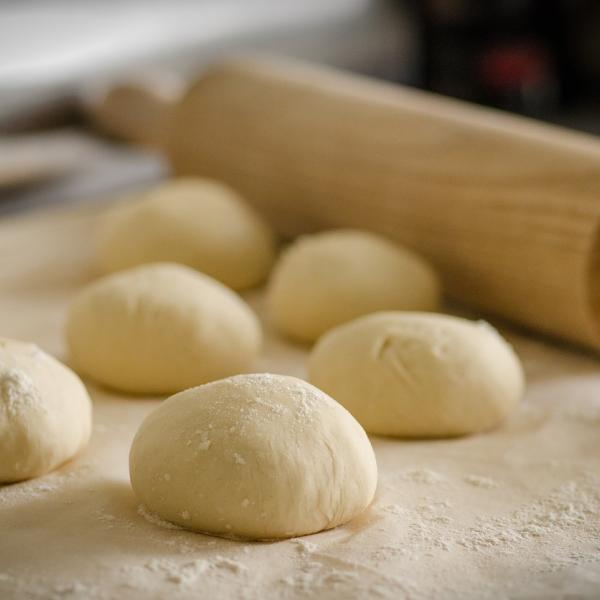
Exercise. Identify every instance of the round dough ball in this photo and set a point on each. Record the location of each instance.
(196, 222)
(254, 456)
(45, 412)
(161, 328)
(329, 278)
(418, 374)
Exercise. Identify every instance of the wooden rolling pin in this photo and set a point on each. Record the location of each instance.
(506, 208)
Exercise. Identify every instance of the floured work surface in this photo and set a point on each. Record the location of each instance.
(513, 513)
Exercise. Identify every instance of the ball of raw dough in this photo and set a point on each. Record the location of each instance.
(418, 374)
(329, 278)
(254, 456)
(159, 329)
(196, 222)
(45, 412)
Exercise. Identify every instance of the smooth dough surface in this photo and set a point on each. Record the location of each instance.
(159, 329)
(326, 279)
(418, 374)
(254, 456)
(45, 412)
(196, 222)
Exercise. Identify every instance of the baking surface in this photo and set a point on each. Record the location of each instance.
(514, 513)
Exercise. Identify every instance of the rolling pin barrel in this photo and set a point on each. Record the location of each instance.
(505, 208)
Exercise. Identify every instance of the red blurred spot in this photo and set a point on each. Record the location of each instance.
(511, 66)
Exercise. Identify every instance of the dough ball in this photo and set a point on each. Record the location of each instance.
(253, 456)
(418, 374)
(160, 328)
(45, 412)
(329, 278)
(196, 222)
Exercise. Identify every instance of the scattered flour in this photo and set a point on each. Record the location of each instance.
(185, 573)
(74, 589)
(16, 493)
(482, 482)
(155, 519)
(305, 546)
(426, 476)
(549, 520)
(222, 562)
(326, 575)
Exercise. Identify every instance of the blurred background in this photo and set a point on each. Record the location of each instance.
(59, 59)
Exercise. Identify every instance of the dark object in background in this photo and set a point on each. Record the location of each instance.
(535, 57)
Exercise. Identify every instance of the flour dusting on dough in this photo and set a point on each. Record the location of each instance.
(18, 391)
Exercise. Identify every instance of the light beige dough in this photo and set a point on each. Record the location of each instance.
(418, 374)
(159, 329)
(254, 456)
(326, 279)
(196, 222)
(45, 412)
